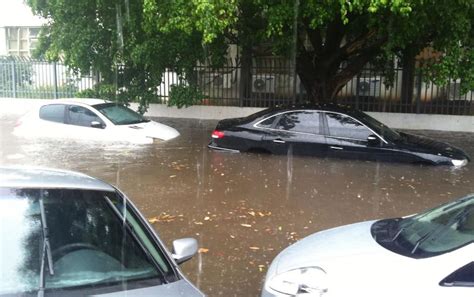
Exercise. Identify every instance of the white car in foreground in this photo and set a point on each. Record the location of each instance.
(91, 119)
(430, 254)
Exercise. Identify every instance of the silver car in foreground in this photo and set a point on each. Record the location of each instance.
(67, 234)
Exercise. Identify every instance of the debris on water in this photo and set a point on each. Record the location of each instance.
(166, 218)
(246, 225)
(203, 250)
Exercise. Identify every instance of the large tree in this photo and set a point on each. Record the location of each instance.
(329, 40)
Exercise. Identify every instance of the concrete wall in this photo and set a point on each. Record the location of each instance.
(395, 120)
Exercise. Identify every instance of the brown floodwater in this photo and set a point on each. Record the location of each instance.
(245, 208)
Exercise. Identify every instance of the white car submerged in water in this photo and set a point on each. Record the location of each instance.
(430, 254)
(91, 119)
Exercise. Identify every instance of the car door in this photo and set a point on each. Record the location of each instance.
(298, 132)
(84, 123)
(348, 138)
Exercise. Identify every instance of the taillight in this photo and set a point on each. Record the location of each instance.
(217, 134)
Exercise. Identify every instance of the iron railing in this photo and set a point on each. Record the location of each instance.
(22, 77)
(267, 82)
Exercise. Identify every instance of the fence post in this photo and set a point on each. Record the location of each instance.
(418, 92)
(55, 77)
(357, 91)
(13, 78)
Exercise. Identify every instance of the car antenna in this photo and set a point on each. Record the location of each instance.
(46, 254)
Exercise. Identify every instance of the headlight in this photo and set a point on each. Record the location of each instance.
(459, 163)
(307, 281)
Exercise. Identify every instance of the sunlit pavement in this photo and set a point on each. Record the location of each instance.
(245, 208)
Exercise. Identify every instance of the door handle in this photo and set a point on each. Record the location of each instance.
(336, 147)
(278, 141)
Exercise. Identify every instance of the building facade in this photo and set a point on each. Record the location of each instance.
(19, 28)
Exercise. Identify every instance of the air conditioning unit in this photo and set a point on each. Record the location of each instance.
(221, 80)
(263, 83)
(369, 87)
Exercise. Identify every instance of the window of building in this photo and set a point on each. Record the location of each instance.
(21, 41)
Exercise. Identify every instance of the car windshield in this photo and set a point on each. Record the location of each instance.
(439, 230)
(386, 132)
(119, 114)
(89, 244)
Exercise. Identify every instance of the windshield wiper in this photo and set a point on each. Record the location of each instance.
(401, 228)
(46, 254)
(459, 216)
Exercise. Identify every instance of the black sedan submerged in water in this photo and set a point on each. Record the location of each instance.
(329, 131)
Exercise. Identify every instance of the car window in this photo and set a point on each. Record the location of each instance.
(441, 229)
(299, 121)
(463, 277)
(90, 245)
(80, 116)
(434, 232)
(52, 112)
(119, 114)
(267, 123)
(346, 127)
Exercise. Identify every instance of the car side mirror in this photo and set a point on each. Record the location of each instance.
(184, 249)
(97, 124)
(373, 140)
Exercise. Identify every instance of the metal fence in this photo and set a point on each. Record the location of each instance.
(370, 92)
(22, 77)
(269, 81)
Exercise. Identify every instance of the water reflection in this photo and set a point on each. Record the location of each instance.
(244, 208)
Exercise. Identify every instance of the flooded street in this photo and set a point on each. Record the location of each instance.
(245, 208)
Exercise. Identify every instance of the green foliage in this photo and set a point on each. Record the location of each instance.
(102, 91)
(184, 96)
(149, 37)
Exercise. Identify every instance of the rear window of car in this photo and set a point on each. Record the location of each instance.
(52, 112)
(299, 121)
(267, 123)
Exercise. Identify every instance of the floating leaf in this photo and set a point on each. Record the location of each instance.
(153, 220)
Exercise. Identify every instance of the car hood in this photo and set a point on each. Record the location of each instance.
(427, 145)
(153, 129)
(325, 246)
(175, 289)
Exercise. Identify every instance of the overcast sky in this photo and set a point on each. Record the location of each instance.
(17, 13)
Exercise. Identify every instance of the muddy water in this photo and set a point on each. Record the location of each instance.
(244, 208)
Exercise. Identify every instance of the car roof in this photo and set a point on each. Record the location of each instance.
(85, 101)
(319, 106)
(47, 178)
